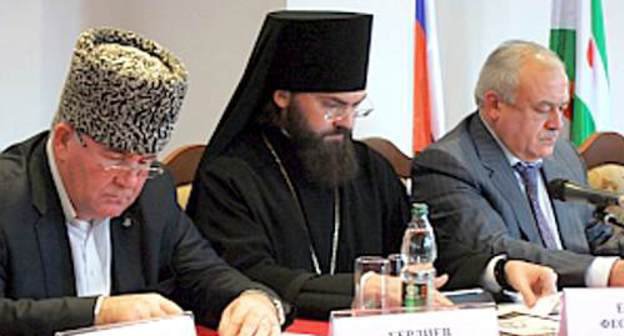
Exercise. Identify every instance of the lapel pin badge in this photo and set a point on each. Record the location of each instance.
(127, 223)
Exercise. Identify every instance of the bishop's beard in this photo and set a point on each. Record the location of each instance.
(327, 163)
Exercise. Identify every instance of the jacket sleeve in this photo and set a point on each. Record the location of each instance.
(465, 219)
(211, 283)
(204, 282)
(39, 317)
(465, 267)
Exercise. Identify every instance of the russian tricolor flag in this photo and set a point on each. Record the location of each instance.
(428, 124)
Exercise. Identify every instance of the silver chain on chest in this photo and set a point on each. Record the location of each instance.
(336, 233)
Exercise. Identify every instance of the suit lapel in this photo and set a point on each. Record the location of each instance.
(503, 179)
(127, 265)
(55, 255)
(50, 229)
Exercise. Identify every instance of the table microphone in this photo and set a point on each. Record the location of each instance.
(566, 190)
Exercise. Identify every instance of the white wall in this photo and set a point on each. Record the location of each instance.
(214, 39)
(469, 30)
(21, 109)
(389, 80)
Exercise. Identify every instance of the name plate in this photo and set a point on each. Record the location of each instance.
(467, 321)
(592, 311)
(182, 325)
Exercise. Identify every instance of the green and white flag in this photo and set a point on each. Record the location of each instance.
(578, 36)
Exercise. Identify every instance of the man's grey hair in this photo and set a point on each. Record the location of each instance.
(501, 69)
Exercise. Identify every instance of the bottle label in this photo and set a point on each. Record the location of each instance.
(417, 286)
(414, 294)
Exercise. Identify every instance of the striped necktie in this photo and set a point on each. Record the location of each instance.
(529, 174)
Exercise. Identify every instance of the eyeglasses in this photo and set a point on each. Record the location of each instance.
(116, 167)
(542, 108)
(336, 110)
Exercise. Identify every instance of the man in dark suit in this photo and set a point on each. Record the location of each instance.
(486, 180)
(87, 218)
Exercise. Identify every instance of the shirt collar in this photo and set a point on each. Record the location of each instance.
(68, 208)
(511, 158)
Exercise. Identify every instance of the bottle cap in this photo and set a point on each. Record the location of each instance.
(420, 209)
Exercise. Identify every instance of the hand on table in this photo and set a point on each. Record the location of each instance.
(616, 277)
(532, 281)
(251, 314)
(134, 307)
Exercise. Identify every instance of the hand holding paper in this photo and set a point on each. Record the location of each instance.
(134, 307)
(530, 280)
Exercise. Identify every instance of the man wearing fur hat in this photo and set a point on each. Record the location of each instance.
(87, 217)
(285, 193)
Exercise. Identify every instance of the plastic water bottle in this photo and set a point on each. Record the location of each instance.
(418, 252)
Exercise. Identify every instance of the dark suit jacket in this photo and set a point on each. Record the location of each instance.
(477, 203)
(160, 251)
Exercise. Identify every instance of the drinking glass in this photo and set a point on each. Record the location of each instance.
(370, 278)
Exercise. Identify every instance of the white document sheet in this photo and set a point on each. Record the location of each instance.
(180, 325)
